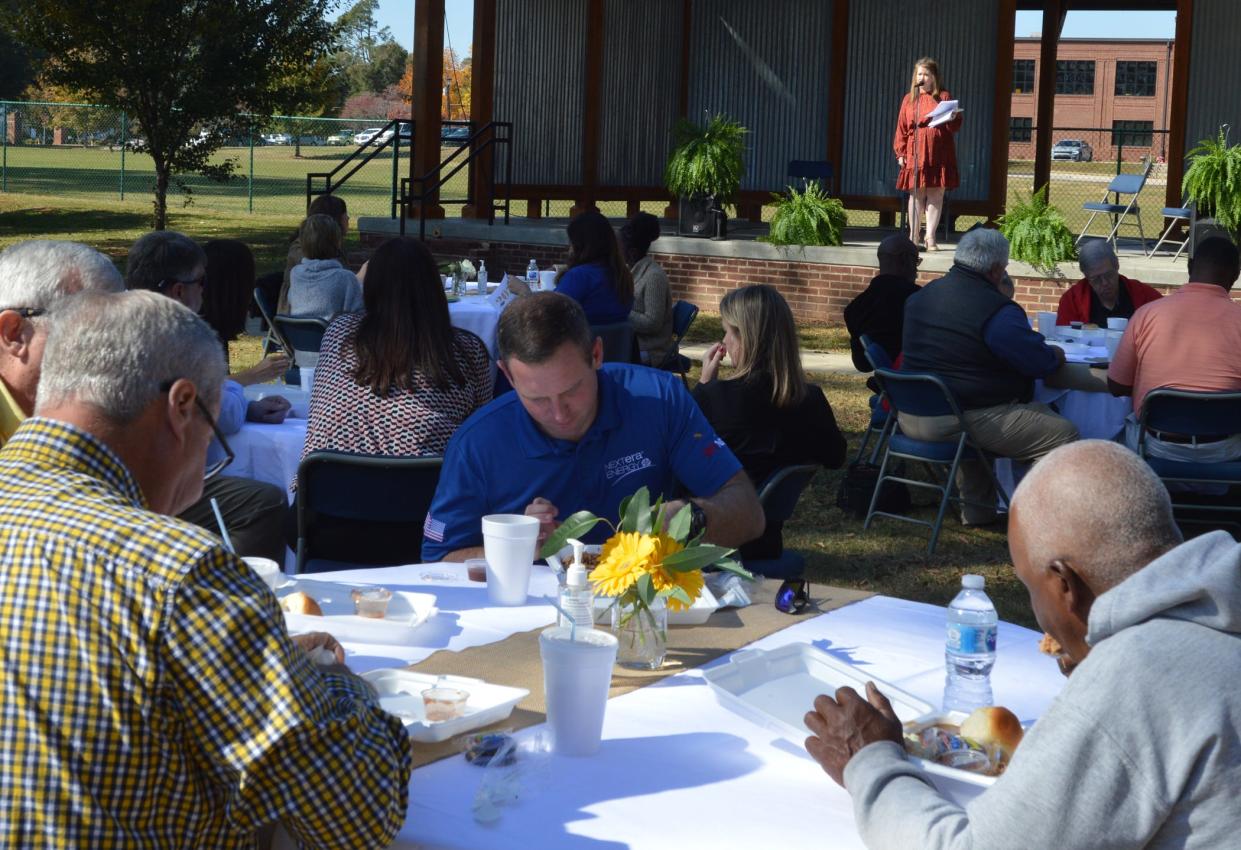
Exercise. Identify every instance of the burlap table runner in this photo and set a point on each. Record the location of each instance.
(515, 660)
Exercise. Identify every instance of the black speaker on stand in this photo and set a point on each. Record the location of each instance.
(698, 217)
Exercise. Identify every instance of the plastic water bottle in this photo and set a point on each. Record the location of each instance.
(969, 653)
(576, 597)
(532, 275)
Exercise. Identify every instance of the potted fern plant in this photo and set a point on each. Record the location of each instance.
(1038, 234)
(705, 168)
(1213, 183)
(807, 217)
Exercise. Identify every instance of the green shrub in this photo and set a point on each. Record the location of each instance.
(706, 161)
(1038, 234)
(1213, 180)
(808, 217)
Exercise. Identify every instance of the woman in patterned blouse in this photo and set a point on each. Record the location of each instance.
(397, 378)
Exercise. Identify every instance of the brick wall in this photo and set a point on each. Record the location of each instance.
(816, 292)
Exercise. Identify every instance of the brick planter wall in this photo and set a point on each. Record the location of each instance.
(816, 292)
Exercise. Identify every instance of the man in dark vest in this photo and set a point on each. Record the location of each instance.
(963, 329)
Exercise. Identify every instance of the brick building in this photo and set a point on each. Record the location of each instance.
(1108, 93)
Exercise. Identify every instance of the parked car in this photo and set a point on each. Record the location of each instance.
(1072, 150)
(337, 139)
(454, 134)
(366, 135)
(277, 139)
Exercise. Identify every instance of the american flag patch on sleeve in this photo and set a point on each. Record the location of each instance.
(433, 529)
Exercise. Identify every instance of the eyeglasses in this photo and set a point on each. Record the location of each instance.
(201, 280)
(25, 312)
(213, 469)
(793, 596)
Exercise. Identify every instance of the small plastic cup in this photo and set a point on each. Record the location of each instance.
(476, 569)
(307, 375)
(1116, 323)
(267, 569)
(576, 677)
(444, 703)
(372, 602)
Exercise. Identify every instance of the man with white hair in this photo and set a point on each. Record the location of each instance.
(34, 276)
(1103, 292)
(962, 328)
(1141, 748)
(150, 695)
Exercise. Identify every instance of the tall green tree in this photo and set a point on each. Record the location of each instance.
(368, 56)
(179, 67)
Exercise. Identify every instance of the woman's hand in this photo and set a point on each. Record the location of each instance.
(900, 160)
(711, 363)
(269, 368)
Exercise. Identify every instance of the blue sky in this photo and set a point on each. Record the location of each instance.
(398, 15)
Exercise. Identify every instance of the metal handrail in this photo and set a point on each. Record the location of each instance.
(498, 133)
(376, 144)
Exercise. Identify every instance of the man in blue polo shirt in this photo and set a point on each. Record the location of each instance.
(578, 435)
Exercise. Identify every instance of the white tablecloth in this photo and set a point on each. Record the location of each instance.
(677, 769)
(268, 453)
(473, 313)
(1098, 416)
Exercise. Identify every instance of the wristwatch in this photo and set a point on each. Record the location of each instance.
(697, 520)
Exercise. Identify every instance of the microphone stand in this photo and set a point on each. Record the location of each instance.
(913, 197)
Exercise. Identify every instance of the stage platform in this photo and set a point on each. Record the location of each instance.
(818, 282)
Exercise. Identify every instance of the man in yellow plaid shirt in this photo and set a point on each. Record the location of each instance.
(151, 696)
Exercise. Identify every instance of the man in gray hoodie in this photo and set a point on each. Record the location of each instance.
(1142, 747)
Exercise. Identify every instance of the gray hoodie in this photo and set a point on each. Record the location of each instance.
(1140, 749)
(323, 289)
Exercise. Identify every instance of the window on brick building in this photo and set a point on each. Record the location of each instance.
(1020, 129)
(1074, 76)
(1023, 76)
(1135, 79)
(1133, 133)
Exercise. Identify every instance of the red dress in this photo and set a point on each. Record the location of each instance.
(935, 154)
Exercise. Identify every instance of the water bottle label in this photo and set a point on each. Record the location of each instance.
(971, 640)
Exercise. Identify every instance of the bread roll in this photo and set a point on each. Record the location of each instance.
(1050, 646)
(299, 603)
(993, 726)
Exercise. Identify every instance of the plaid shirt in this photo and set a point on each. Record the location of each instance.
(151, 696)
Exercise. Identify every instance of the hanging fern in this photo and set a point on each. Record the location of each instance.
(1038, 234)
(808, 217)
(1213, 180)
(707, 161)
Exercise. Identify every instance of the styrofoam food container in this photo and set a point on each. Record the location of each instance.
(775, 688)
(704, 606)
(406, 612)
(400, 694)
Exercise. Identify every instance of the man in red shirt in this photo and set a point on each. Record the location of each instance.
(1103, 292)
(1190, 341)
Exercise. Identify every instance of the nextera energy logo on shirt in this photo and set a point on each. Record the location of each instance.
(617, 469)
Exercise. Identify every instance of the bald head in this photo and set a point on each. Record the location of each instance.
(1098, 506)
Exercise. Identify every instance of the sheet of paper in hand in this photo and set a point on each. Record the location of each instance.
(944, 113)
(502, 296)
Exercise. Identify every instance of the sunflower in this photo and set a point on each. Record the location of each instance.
(625, 557)
(664, 579)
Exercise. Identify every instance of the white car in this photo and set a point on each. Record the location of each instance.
(366, 135)
(278, 139)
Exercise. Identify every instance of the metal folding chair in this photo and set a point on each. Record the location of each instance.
(806, 170)
(1121, 185)
(268, 311)
(778, 495)
(1192, 416)
(924, 394)
(683, 315)
(878, 358)
(1177, 215)
(619, 343)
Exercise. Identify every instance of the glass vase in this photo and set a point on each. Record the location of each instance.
(642, 632)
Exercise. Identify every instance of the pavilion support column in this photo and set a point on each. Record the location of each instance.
(836, 91)
(428, 98)
(1180, 102)
(1045, 93)
(672, 212)
(592, 113)
(998, 176)
(482, 107)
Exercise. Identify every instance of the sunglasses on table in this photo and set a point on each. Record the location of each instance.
(793, 596)
(212, 469)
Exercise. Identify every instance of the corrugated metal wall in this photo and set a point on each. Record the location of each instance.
(1214, 93)
(886, 37)
(540, 85)
(641, 87)
(768, 65)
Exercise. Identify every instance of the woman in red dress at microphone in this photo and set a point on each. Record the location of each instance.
(926, 155)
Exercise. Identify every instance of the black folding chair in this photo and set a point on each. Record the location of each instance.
(683, 315)
(779, 495)
(619, 343)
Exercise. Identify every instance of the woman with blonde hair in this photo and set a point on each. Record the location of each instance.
(926, 155)
(320, 286)
(767, 412)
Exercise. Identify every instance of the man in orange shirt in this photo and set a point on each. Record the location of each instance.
(1190, 340)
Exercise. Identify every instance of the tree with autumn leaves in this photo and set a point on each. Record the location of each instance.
(457, 83)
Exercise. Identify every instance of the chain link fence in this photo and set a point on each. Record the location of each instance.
(86, 151)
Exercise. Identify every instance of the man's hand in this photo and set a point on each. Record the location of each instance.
(711, 363)
(315, 644)
(271, 410)
(844, 725)
(545, 512)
